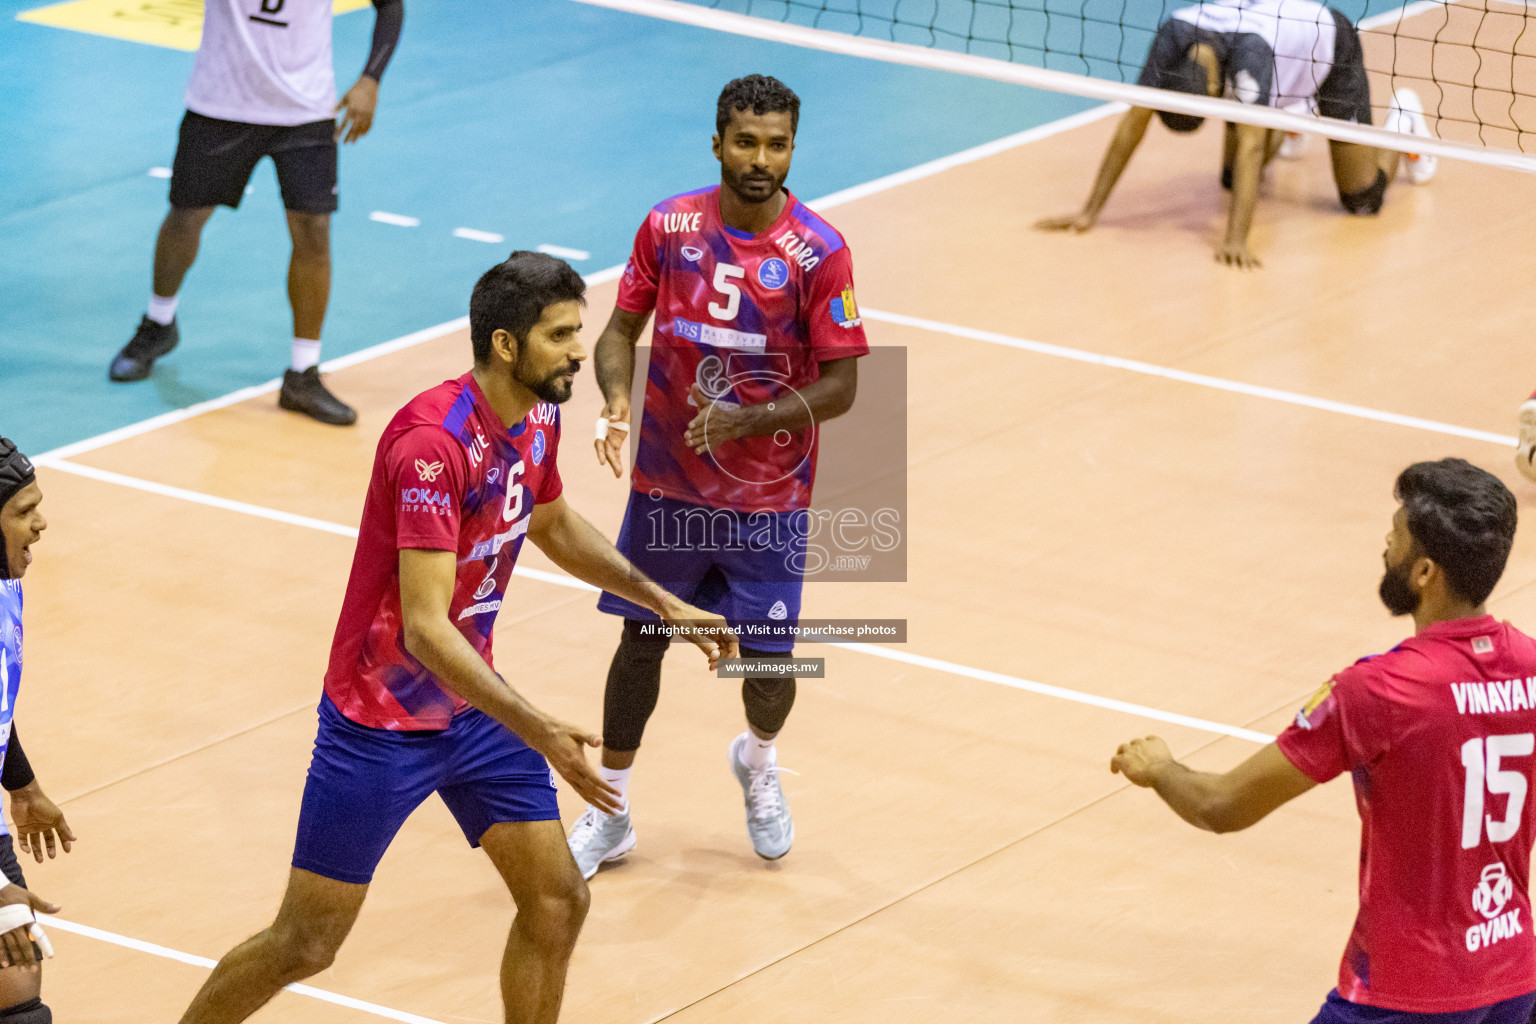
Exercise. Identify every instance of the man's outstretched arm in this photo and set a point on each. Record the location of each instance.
(576, 546)
(1133, 125)
(1217, 803)
(1248, 161)
(426, 592)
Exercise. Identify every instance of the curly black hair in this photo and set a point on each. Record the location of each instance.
(760, 94)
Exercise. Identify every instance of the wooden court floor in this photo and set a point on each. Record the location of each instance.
(963, 852)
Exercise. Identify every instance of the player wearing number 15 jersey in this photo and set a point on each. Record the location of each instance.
(756, 344)
(1439, 737)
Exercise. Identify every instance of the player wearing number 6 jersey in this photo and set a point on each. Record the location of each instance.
(1439, 736)
(413, 705)
(756, 344)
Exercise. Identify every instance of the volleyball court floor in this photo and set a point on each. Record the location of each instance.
(1178, 543)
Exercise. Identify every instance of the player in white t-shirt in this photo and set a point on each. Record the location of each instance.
(263, 85)
(1296, 55)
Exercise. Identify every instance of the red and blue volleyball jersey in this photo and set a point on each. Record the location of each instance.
(1439, 735)
(747, 318)
(448, 475)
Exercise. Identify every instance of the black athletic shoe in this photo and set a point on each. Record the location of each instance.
(149, 342)
(303, 392)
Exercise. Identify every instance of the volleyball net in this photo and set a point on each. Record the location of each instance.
(1472, 62)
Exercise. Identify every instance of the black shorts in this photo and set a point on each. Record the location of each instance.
(1345, 94)
(8, 863)
(214, 161)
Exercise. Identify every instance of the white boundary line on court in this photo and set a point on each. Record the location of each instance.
(563, 580)
(139, 945)
(1186, 377)
(1062, 81)
(597, 277)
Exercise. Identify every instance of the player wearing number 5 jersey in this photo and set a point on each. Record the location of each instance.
(756, 344)
(1439, 736)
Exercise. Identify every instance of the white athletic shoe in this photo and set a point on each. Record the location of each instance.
(1294, 146)
(1526, 452)
(597, 838)
(1406, 114)
(769, 824)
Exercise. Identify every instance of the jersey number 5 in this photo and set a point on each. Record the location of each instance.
(1481, 758)
(725, 273)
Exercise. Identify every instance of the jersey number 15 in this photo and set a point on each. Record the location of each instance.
(1481, 758)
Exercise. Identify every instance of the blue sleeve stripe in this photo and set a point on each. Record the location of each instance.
(824, 231)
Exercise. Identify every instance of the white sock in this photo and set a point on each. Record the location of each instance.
(757, 753)
(162, 311)
(306, 353)
(618, 778)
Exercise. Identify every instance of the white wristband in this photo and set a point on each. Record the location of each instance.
(604, 425)
(19, 915)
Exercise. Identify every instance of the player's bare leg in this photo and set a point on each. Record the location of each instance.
(309, 292)
(316, 915)
(552, 901)
(176, 247)
(175, 251)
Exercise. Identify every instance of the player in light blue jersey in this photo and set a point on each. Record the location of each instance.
(37, 820)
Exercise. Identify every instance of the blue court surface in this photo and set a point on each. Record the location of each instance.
(545, 122)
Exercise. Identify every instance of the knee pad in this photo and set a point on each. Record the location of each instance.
(33, 1011)
(767, 699)
(1367, 200)
(634, 685)
(643, 646)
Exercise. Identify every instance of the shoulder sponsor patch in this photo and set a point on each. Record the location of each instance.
(428, 471)
(845, 313)
(1312, 713)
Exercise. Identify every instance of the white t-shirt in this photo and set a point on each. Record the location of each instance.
(264, 62)
(1298, 36)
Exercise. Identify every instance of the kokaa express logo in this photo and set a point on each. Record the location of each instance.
(844, 312)
(428, 471)
(424, 499)
(539, 447)
(773, 273)
(1493, 891)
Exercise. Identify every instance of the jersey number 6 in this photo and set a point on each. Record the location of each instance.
(514, 506)
(1483, 772)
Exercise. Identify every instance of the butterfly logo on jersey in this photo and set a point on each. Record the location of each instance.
(1493, 891)
(428, 472)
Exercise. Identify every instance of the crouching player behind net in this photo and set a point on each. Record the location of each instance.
(1296, 55)
(1439, 737)
(412, 703)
